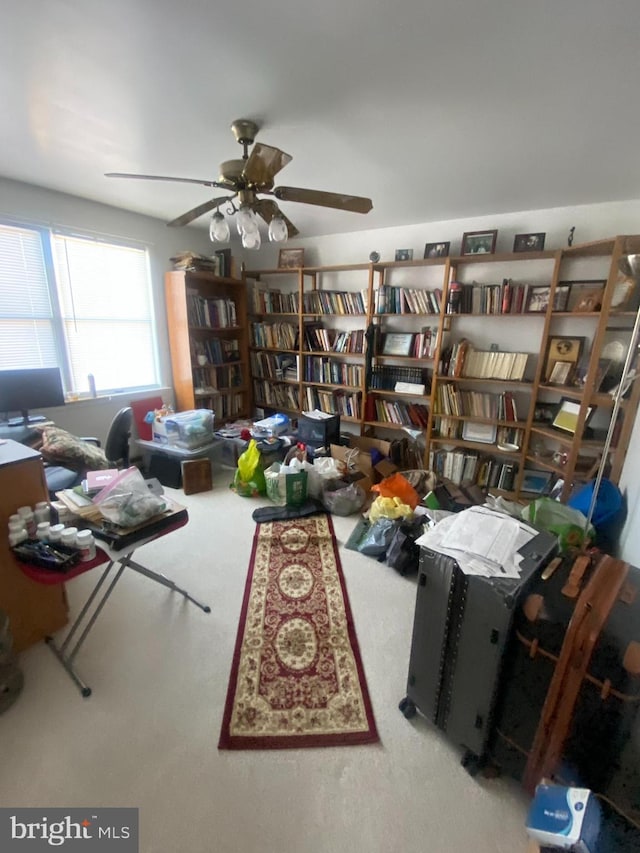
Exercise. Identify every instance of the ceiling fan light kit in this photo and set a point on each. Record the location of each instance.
(246, 179)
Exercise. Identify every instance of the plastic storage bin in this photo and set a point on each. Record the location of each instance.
(190, 429)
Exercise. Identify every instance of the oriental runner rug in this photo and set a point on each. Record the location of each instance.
(297, 678)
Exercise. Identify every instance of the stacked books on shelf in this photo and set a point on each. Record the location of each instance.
(461, 360)
(385, 377)
(468, 467)
(275, 395)
(318, 369)
(219, 263)
(397, 412)
(268, 301)
(274, 335)
(211, 313)
(509, 297)
(278, 366)
(452, 400)
(318, 339)
(227, 376)
(407, 300)
(334, 402)
(334, 302)
(217, 350)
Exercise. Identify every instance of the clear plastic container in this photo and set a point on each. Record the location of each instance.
(55, 532)
(69, 536)
(42, 532)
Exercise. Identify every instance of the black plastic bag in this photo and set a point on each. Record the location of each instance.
(377, 538)
(403, 554)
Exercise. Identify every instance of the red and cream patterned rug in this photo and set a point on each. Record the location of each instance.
(297, 678)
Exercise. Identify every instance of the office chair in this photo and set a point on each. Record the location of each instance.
(116, 450)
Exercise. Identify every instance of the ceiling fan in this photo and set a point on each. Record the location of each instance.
(246, 180)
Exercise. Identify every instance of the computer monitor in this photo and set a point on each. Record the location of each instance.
(36, 388)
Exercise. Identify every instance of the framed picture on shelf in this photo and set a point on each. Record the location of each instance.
(436, 250)
(397, 343)
(290, 259)
(588, 298)
(538, 299)
(622, 290)
(566, 416)
(561, 297)
(484, 433)
(535, 481)
(560, 373)
(561, 348)
(529, 242)
(404, 255)
(479, 242)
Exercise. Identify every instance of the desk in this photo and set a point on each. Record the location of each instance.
(118, 559)
(33, 610)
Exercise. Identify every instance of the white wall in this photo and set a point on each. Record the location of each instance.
(31, 204)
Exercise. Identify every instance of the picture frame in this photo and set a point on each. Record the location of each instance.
(560, 373)
(589, 300)
(479, 242)
(561, 297)
(436, 250)
(622, 291)
(533, 242)
(480, 432)
(538, 299)
(404, 255)
(290, 259)
(562, 348)
(397, 343)
(535, 481)
(566, 416)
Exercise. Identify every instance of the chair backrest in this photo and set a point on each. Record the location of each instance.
(117, 445)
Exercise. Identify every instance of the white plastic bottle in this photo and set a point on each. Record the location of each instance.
(69, 536)
(42, 532)
(86, 545)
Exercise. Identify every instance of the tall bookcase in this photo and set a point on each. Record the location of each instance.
(474, 340)
(208, 339)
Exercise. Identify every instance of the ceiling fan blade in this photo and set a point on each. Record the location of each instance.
(264, 163)
(267, 209)
(190, 215)
(163, 178)
(353, 203)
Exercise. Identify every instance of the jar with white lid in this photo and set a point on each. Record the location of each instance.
(28, 518)
(55, 532)
(86, 545)
(68, 536)
(17, 536)
(42, 531)
(42, 512)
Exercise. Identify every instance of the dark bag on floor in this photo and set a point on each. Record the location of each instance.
(403, 554)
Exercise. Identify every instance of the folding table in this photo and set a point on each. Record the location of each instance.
(117, 557)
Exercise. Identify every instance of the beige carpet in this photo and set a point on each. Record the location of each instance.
(147, 737)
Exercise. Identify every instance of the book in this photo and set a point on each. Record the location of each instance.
(96, 480)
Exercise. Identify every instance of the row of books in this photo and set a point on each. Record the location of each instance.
(385, 377)
(334, 302)
(334, 402)
(219, 263)
(227, 376)
(397, 412)
(319, 339)
(452, 400)
(507, 298)
(268, 365)
(266, 301)
(211, 313)
(462, 360)
(407, 300)
(223, 406)
(274, 335)
(275, 395)
(317, 369)
(219, 351)
(468, 467)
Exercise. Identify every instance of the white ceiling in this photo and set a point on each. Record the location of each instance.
(435, 109)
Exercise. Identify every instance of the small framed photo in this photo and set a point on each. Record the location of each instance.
(529, 242)
(561, 348)
(436, 250)
(589, 299)
(397, 344)
(566, 416)
(290, 259)
(538, 299)
(479, 242)
(404, 255)
(534, 481)
(561, 297)
(560, 373)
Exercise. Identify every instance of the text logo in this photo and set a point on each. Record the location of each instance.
(36, 830)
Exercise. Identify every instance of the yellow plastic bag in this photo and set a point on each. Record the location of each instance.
(249, 477)
(389, 508)
(397, 486)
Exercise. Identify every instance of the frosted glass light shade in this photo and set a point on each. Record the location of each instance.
(278, 232)
(247, 220)
(219, 229)
(251, 239)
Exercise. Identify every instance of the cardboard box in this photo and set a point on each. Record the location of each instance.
(564, 818)
(357, 458)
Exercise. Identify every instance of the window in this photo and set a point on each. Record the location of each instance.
(79, 303)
